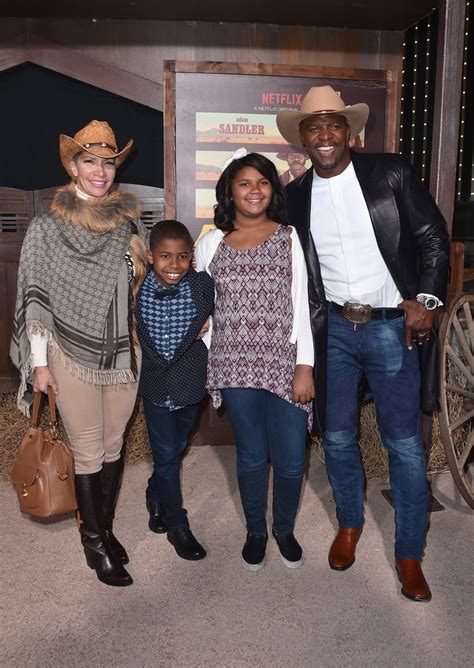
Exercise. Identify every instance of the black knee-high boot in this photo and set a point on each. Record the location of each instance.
(111, 476)
(92, 529)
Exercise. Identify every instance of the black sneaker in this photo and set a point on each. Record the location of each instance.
(290, 550)
(253, 554)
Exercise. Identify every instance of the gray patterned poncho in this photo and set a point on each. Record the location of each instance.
(73, 288)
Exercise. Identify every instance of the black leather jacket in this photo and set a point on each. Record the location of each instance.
(412, 238)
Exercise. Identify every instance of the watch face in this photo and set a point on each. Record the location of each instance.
(431, 303)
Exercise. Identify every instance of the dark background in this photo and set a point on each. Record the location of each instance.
(37, 105)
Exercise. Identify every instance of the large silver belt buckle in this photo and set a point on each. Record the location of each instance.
(356, 313)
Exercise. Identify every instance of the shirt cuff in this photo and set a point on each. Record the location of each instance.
(39, 350)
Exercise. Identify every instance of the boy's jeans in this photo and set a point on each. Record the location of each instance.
(168, 432)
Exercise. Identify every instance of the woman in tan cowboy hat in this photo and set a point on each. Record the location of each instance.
(80, 267)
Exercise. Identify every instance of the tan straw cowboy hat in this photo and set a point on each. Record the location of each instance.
(98, 138)
(321, 100)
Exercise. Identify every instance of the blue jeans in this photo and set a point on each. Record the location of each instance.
(168, 432)
(378, 350)
(267, 427)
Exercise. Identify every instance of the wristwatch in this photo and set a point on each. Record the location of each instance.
(429, 302)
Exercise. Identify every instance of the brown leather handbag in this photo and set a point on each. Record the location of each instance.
(43, 472)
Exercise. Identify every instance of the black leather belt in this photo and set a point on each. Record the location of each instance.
(362, 313)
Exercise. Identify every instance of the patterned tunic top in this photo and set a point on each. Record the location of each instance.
(250, 344)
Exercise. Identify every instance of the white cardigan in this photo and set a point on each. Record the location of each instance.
(301, 326)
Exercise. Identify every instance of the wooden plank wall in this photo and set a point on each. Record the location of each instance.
(139, 47)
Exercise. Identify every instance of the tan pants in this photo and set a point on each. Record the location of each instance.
(94, 416)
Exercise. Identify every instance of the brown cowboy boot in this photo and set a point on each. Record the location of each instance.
(342, 552)
(414, 585)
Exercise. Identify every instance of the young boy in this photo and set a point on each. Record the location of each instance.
(173, 304)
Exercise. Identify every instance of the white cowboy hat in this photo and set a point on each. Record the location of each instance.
(98, 138)
(321, 100)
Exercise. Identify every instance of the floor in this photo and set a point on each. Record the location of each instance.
(213, 613)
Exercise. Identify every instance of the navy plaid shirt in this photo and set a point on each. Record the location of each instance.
(181, 378)
(167, 319)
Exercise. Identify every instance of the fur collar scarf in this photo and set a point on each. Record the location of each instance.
(99, 214)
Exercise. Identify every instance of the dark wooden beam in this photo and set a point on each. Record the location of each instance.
(169, 119)
(447, 106)
(363, 15)
(13, 52)
(77, 65)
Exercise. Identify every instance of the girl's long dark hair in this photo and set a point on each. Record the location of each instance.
(224, 211)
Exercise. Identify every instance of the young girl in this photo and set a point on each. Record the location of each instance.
(261, 355)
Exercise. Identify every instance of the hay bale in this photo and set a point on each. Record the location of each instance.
(13, 425)
(137, 447)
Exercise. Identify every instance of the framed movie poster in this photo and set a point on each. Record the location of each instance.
(213, 108)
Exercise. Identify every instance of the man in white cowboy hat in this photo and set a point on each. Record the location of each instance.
(377, 253)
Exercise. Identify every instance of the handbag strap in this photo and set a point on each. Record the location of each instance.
(52, 406)
(35, 414)
(36, 409)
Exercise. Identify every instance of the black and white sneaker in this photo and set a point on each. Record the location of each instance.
(290, 550)
(253, 554)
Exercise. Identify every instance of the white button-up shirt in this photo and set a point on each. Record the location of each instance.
(352, 267)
